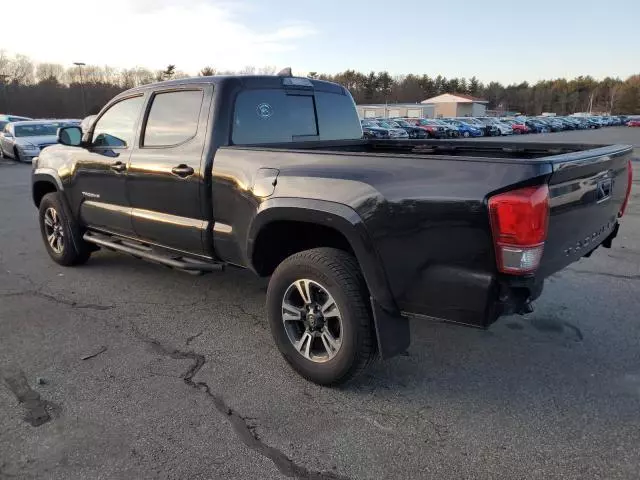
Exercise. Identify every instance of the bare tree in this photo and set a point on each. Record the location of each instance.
(21, 70)
(248, 70)
(50, 72)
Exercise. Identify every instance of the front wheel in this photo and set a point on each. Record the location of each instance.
(16, 155)
(61, 235)
(466, 134)
(320, 317)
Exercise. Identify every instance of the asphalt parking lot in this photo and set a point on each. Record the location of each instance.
(129, 370)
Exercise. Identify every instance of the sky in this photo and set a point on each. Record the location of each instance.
(507, 41)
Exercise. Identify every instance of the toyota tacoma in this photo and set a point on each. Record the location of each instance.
(271, 173)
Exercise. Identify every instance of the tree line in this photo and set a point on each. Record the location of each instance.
(49, 90)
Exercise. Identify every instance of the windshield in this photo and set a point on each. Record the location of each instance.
(37, 129)
(402, 123)
(385, 124)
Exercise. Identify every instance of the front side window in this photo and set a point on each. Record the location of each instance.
(116, 128)
(173, 118)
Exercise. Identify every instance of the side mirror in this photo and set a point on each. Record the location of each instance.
(7, 134)
(70, 136)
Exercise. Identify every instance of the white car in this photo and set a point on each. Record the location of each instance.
(503, 127)
(23, 141)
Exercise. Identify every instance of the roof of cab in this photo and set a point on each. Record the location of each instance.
(247, 80)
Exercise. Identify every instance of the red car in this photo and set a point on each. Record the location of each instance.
(517, 126)
(633, 123)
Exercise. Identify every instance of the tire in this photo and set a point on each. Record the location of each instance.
(466, 134)
(338, 273)
(16, 155)
(73, 250)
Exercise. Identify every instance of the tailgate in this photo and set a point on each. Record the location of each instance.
(587, 190)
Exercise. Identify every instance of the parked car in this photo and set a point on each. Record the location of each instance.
(577, 123)
(451, 130)
(192, 175)
(4, 119)
(488, 130)
(86, 123)
(465, 130)
(412, 130)
(633, 123)
(537, 127)
(371, 129)
(518, 128)
(13, 118)
(433, 128)
(394, 132)
(24, 140)
(554, 125)
(502, 127)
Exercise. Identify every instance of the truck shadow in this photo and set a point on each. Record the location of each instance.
(516, 360)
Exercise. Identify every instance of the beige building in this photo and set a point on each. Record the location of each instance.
(392, 110)
(457, 105)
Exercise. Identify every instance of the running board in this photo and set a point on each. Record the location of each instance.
(146, 252)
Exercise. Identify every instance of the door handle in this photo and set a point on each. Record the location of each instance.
(182, 170)
(119, 167)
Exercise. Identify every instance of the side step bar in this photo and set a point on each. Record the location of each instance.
(145, 252)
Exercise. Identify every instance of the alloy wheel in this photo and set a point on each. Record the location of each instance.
(312, 320)
(54, 230)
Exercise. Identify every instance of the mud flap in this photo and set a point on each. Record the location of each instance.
(392, 331)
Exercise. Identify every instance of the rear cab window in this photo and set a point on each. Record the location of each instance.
(292, 115)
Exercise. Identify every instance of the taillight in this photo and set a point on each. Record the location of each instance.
(628, 194)
(519, 222)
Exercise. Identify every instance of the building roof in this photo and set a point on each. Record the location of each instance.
(454, 98)
(393, 105)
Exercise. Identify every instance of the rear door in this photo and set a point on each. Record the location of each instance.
(99, 181)
(587, 191)
(166, 178)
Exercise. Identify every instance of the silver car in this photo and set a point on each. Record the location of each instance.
(23, 141)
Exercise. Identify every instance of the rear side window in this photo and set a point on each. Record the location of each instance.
(278, 116)
(337, 117)
(173, 118)
(272, 116)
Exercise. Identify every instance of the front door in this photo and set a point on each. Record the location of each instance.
(99, 182)
(165, 178)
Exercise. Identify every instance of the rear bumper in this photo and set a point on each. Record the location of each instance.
(478, 299)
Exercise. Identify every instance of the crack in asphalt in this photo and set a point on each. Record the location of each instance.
(53, 298)
(193, 337)
(258, 321)
(244, 429)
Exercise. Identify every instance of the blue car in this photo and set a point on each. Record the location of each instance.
(465, 129)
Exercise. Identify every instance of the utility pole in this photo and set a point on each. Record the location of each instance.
(84, 100)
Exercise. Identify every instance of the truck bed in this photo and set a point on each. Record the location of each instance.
(425, 204)
(460, 149)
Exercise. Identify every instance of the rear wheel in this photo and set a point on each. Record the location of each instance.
(60, 233)
(319, 314)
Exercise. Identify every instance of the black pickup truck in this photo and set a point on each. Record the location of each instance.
(271, 173)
